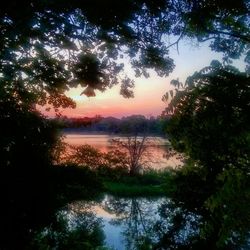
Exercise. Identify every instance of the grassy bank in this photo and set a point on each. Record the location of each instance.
(75, 182)
(126, 190)
(151, 183)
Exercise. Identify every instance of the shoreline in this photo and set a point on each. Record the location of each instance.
(84, 132)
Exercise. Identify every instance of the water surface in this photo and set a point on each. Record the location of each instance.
(158, 152)
(130, 223)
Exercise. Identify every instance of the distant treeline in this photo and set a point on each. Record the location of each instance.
(134, 123)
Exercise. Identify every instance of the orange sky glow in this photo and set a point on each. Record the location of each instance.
(148, 92)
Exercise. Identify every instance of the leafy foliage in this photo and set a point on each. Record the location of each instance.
(210, 124)
(25, 187)
(49, 47)
(210, 121)
(113, 163)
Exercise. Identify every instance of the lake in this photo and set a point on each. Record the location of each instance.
(126, 222)
(122, 224)
(102, 142)
(130, 223)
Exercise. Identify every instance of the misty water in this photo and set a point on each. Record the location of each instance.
(102, 142)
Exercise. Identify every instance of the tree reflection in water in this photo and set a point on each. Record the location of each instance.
(152, 223)
(72, 229)
(138, 223)
(136, 217)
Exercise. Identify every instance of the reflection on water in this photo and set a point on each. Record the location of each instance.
(126, 224)
(137, 223)
(120, 224)
(71, 230)
(103, 143)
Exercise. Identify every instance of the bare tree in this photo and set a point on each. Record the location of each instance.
(137, 149)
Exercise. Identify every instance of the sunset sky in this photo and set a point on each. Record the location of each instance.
(148, 92)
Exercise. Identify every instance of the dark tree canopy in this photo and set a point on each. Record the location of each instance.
(48, 47)
(210, 124)
(211, 116)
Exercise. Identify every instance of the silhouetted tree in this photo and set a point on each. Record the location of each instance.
(137, 151)
(25, 186)
(210, 124)
(47, 47)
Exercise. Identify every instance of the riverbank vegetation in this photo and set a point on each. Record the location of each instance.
(48, 47)
(112, 125)
(150, 183)
(210, 125)
(82, 182)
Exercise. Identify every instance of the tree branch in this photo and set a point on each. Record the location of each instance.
(236, 35)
